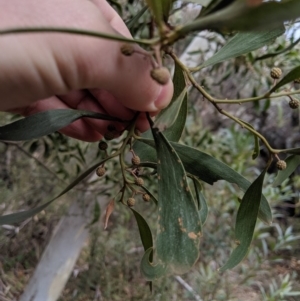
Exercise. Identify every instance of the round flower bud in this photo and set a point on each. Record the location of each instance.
(100, 171)
(109, 135)
(135, 160)
(161, 75)
(146, 197)
(127, 49)
(294, 103)
(102, 145)
(131, 202)
(276, 73)
(281, 165)
(139, 181)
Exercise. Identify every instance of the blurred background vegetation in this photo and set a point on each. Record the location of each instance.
(108, 267)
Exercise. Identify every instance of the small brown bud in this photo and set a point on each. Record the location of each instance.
(281, 165)
(102, 145)
(276, 73)
(127, 49)
(109, 135)
(146, 197)
(131, 202)
(135, 160)
(139, 181)
(297, 81)
(294, 103)
(161, 75)
(100, 171)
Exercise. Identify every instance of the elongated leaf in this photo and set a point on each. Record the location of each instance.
(213, 6)
(149, 270)
(293, 74)
(130, 24)
(210, 170)
(244, 42)
(173, 133)
(268, 55)
(203, 209)
(157, 10)
(179, 229)
(166, 7)
(292, 162)
(169, 116)
(242, 17)
(245, 222)
(21, 216)
(45, 123)
(145, 232)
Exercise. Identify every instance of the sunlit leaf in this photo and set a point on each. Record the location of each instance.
(179, 226)
(45, 123)
(210, 170)
(293, 74)
(245, 222)
(292, 162)
(244, 42)
(21, 216)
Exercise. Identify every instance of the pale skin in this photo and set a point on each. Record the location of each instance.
(45, 71)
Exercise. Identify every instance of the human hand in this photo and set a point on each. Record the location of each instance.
(72, 71)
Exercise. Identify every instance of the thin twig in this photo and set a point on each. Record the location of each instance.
(188, 288)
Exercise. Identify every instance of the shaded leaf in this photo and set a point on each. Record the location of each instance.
(45, 123)
(240, 16)
(293, 74)
(171, 113)
(244, 42)
(245, 222)
(145, 232)
(174, 132)
(210, 170)
(149, 270)
(179, 227)
(202, 205)
(135, 19)
(292, 162)
(268, 55)
(21, 216)
(156, 7)
(166, 7)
